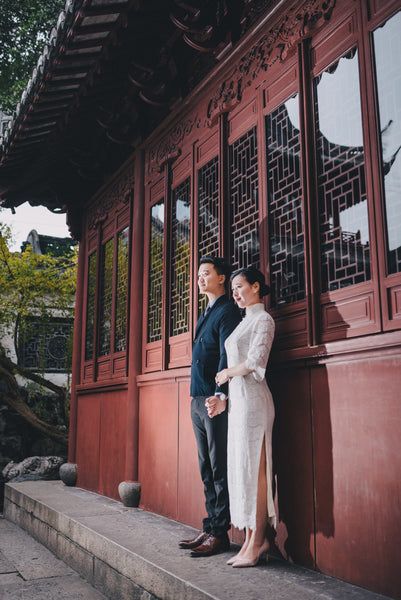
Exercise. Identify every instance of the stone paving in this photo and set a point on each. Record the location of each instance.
(28, 570)
(131, 554)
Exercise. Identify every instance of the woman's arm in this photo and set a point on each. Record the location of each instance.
(237, 371)
(259, 349)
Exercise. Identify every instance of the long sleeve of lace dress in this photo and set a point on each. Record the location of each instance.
(260, 344)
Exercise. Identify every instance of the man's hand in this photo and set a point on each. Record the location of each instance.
(215, 406)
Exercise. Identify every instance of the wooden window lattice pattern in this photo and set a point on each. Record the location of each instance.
(44, 344)
(208, 214)
(90, 305)
(155, 287)
(244, 221)
(286, 236)
(387, 46)
(344, 234)
(120, 332)
(180, 258)
(105, 298)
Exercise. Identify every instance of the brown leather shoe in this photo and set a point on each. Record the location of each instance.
(212, 545)
(189, 544)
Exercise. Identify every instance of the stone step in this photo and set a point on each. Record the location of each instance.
(29, 570)
(128, 553)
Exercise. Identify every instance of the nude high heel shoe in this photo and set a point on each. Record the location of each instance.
(232, 560)
(246, 562)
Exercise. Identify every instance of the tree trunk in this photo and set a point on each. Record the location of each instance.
(10, 394)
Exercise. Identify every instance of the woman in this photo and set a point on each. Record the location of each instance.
(250, 418)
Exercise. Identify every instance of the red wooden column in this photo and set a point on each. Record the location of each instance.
(76, 350)
(135, 321)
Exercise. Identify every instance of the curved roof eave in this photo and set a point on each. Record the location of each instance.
(73, 53)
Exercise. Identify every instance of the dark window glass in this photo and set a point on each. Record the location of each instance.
(45, 345)
(343, 212)
(120, 332)
(284, 197)
(90, 306)
(155, 272)
(208, 213)
(243, 172)
(105, 297)
(180, 258)
(387, 47)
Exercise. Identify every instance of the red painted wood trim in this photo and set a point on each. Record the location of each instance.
(97, 302)
(102, 386)
(262, 191)
(368, 139)
(172, 375)
(193, 308)
(224, 198)
(380, 343)
(135, 321)
(76, 354)
(309, 194)
(381, 10)
(166, 261)
(193, 249)
(114, 288)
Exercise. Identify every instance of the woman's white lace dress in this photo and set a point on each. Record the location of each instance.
(250, 416)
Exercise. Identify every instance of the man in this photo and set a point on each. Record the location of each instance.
(208, 358)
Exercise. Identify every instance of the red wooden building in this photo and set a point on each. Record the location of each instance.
(269, 132)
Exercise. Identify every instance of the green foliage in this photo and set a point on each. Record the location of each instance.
(24, 29)
(33, 284)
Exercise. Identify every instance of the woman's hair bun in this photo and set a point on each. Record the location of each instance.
(253, 275)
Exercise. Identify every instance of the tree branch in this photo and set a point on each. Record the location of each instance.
(11, 367)
(13, 399)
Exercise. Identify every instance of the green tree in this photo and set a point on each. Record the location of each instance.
(24, 29)
(39, 285)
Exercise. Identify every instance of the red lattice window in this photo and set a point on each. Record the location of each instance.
(208, 214)
(90, 305)
(107, 282)
(155, 278)
(243, 188)
(106, 298)
(180, 258)
(286, 235)
(387, 49)
(120, 330)
(343, 212)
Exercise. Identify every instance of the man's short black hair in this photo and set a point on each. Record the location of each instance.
(220, 264)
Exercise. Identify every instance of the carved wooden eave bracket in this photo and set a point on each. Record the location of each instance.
(118, 192)
(168, 158)
(275, 46)
(168, 150)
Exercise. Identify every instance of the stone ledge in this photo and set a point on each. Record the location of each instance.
(128, 553)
